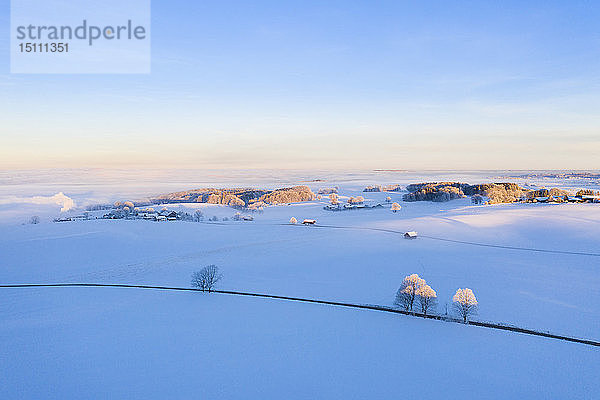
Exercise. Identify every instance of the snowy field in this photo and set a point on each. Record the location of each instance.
(130, 343)
(121, 343)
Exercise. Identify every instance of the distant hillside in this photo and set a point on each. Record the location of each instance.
(242, 197)
(559, 175)
(435, 191)
(504, 192)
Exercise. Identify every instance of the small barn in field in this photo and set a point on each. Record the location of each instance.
(410, 235)
(309, 222)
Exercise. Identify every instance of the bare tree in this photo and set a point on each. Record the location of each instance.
(198, 216)
(34, 220)
(465, 303)
(206, 278)
(427, 298)
(404, 298)
(185, 216)
(406, 294)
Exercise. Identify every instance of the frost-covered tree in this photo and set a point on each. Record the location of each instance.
(184, 216)
(206, 278)
(198, 216)
(426, 297)
(34, 220)
(388, 199)
(477, 199)
(465, 303)
(333, 198)
(396, 207)
(356, 200)
(293, 220)
(407, 293)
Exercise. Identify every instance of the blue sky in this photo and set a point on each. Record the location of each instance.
(326, 84)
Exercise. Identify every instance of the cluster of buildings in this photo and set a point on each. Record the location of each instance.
(343, 207)
(381, 188)
(151, 215)
(75, 218)
(564, 199)
(164, 215)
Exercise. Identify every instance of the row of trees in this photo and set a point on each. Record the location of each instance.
(415, 294)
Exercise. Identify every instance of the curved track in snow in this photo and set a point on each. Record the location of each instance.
(317, 301)
(497, 246)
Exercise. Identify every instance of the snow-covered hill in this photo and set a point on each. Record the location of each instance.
(128, 343)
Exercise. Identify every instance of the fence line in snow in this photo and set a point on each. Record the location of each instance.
(325, 302)
(497, 246)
